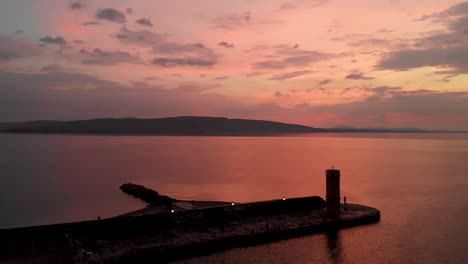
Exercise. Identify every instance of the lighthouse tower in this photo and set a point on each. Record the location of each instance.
(333, 191)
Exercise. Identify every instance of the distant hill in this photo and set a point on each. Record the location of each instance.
(184, 125)
(187, 125)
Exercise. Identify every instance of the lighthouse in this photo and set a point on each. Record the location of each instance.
(333, 191)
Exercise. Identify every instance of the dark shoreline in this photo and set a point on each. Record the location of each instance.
(187, 126)
(231, 134)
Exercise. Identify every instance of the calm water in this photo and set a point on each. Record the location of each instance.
(419, 182)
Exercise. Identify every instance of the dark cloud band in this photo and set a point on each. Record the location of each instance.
(111, 14)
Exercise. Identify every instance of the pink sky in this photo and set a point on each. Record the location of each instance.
(324, 63)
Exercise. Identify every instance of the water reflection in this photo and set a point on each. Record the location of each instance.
(335, 247)
(50, 179)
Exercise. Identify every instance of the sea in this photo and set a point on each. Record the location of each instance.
(419, 182)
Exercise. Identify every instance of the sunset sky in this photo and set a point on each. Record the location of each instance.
(323, 63)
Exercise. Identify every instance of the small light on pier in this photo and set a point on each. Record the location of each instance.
(233, 204)
(172, 211)
(284, 198)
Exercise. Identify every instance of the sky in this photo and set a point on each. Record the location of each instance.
(323, 63)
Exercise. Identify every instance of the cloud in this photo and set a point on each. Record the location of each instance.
(145, 22)
(293, 57)
(12, 48)
(187, 61)
(460, 9)
(275, 65)
(225, 44)
(459, 25)
(51, 80)
(52, 40)
(306, 59)
(175, 54)
(393, 106)
(140, 37)
(325, 82)
(173, 47)
(378, 43)
(280, 94)
(446, 49)
(232, 21)
(457, 10)
(313, 3)
(287, 6)
(77, 41)
(105, 58)
(194, 88)
(66, 96)
(52, 68)
(456, 57)
(289, 75)
(91, 23)
(255, 73)
(111, 14)
(129, 11)
(358, 76)
(76, 6)
(152, 78)
(385, 30)
(295, 4)
(381, 107)
(372, 43)
(19, 31)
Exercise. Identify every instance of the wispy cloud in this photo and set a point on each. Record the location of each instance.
(287, 6)
(52, 68)
(62, 95)
(292, 56)
(145, 22)
(91, 23)
(358, 76)
(13, 48)
(232, 21)
(53, 40)
(105, 58)
(186, 61)
(225, 44)
(139, 37)
(289, 75)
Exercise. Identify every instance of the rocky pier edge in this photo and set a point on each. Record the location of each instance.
(246, 232)
(176, 235)
(169, 229)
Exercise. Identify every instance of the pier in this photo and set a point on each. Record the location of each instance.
(153, 236)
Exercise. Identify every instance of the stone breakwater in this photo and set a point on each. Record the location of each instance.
(246, 232)
(167, 236)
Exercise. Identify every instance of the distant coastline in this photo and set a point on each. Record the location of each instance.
(187, 126)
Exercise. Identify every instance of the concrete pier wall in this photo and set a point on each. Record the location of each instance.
(171, 235)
